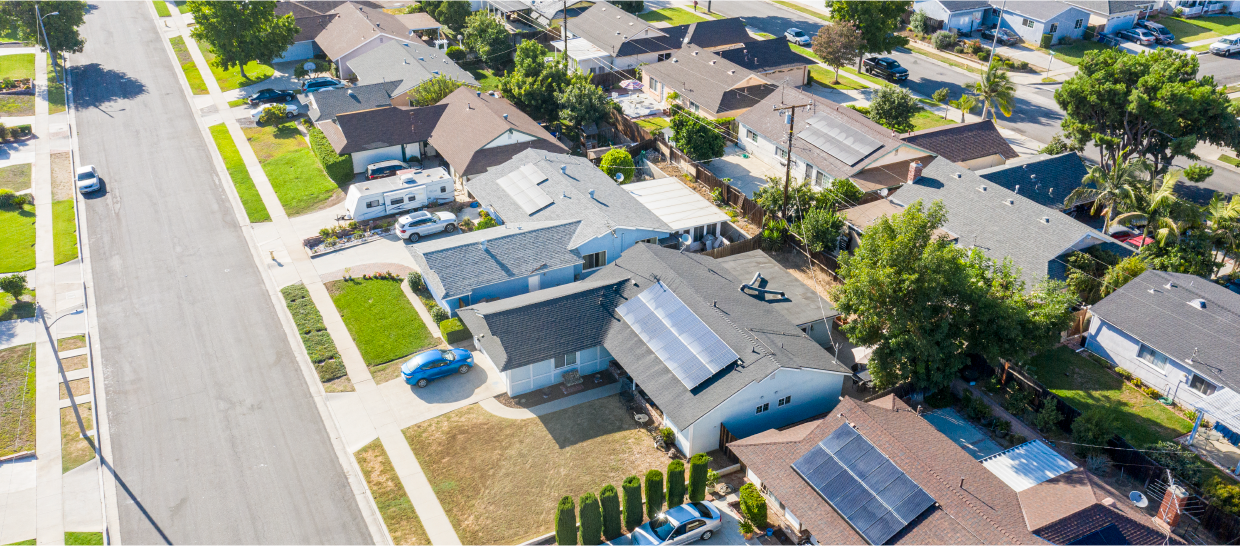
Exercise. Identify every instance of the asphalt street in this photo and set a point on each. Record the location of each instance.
(214, 435)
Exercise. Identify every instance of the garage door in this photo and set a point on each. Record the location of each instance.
(362, 159)
(297, 52)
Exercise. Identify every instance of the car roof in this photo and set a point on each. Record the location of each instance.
(387, 163)
(1151, 24)
(682, 514)
(419, 214)
(84, 168)
(887, 59)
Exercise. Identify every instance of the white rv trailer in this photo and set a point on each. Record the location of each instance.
(408, 190)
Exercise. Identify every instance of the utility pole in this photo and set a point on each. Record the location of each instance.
(564, 32)
(791, 121)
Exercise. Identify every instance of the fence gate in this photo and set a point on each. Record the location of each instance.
(725, 438)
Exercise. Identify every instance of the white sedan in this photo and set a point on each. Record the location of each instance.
(797, 36)
(87, 179)
(291, 110)
(415, 226)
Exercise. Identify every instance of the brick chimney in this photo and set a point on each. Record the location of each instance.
(914, 171)
(1173, 503)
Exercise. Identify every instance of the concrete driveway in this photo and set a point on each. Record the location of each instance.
(729, 529)
(747, 173)
(411, 404)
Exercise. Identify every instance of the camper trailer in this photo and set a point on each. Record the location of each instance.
(410, 189)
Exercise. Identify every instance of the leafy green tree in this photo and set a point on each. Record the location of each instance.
(1192, 253)
(61, 30)
(1059, 145)
(894, 107)
(771, 196)
(1092, 429)
(432, 91)
(565, 522)
(452, 14)
(241, 32)
(632, 489)
(699, 467)
(591, 520)
(1110, 188)
(1086, 270)
(940, 97)
(1198, 173)
(654, 493)
(996, 91)
(486, 36)
(618, 161)
(609, 500)
(485, 221)
(753, 506)
(1005, 320)
(1048, 417)
(697, 137)
(840, 193)
(877, 22)
(532, 83)
(1126, 270)
(456, 53)
(14, 285)
(1150, 105)
(581, 102)
(919, 23)
(675, 483)
(820, 229)
(838, 45)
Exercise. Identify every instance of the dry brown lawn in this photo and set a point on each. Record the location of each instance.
(499, 479)
(62, 176)
(81, 387)
(798, 264)
(394, 505)
(70, 343)
(74, 363)
(74, 449)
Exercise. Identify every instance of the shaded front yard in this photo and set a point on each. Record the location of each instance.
(499, 479)
(16, 399)
(232, 79)
(294, 172)
(382, 321)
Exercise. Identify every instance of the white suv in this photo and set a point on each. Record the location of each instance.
(1226, 45)
(415, 226)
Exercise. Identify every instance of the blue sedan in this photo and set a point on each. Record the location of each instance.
(435, 363)
(685, 523)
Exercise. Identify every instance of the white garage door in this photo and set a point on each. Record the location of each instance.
(362, 159)
(297, 52)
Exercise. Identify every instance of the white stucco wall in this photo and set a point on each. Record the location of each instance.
(544, 374)
(511, 136)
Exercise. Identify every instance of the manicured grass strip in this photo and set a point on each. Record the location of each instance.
(17, 105)
(17, 399)
(488, 80)
(702, 11)
(55, 91)
(161, 8)
(1202, 28)
(81, 387)
(319, 344)
(765, 36)
(64, 231)
(1085, 384)
(16, 239)
(71, 343)
(671, 16)
(255, 210)
(1074, 53)
(18, 66)
(291, 167)
(1230, 160)
(75, 450)
(182, 6)
(11, 309)
(798, 7)
(381, 320)
(238, 102)
(394, 505)
(231, 79)
(928, 119)
(84, 539)
(188, 66)
(30, 542)
(823, 76)
(15, 177)
(805, 51)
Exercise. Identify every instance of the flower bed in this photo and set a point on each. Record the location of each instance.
(340, 237)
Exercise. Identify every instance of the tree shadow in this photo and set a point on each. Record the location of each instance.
(95, 86)
(286, 130)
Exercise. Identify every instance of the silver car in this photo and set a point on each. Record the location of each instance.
(415, 226)
(681, 525)
(87, 179)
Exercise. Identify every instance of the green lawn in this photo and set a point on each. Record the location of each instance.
(671, 16)
(487, 80)
(16, 239)
(294, 172)
(11, 309)
(1075, 52)
(16, 399)
(823, 76)
(765, 36)
(927, 119)
(798, 7)
(804, 51)
(231, 79)
(1230, 160)
(1085, 384)
(15, 177)
(253, 203)
(399, 517)
(17, 105)
(1203, 28)
(381, 319)
(161, 8)
(319, 345)
(17, 66)
(654, 124)
(238, 102)
(701, 10)
(64, 231)
(182, 6)
(55, 91)
(83, 539)
(188, 66)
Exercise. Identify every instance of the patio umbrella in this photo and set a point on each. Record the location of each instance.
(631, 84)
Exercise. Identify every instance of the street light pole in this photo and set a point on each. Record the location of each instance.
(47, 43)
(995, 43)
(47, 328)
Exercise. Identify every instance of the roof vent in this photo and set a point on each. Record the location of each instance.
(505, 117)
(979, 188)
(1198, 303)
(1170, 285)
(563, 169)
(478, 93)
(1017, 190)
(675, 60)
(695, 53)
(1046, 219)
(406, 61)
(422, 59)
(350, 92)
(730, 72)
(957, 175)
(483, 244)
(591, 194)
(712, 61)
(1011, 202)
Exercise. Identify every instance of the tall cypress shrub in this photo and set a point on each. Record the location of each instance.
(591, 520)
(675, 483)
(632, 488)
(697, 477)
(610, 501)
(654, 493)
(565, 522)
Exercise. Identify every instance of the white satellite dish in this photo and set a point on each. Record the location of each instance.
(883, 192)
(619, 177)
(308, 66)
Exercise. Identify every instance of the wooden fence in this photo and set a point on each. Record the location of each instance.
(724, 251)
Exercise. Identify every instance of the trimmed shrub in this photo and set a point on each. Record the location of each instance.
(1049, 417)
(453, 330)
(438, 314)
(8, 197)
(273, 114)
(609, 500)
(1092, 429)
(416, 282)
(1180, 460)
(753, 506)
(14, 285)
(1017, 401)
(565, 522)
(632, 488)
(668, 435)
(456, 53)
(591, 520)
(698, 470)
(618, 161)
(654, 493)
(338, 167)
(485, 221)
(675, 483)
(943, 39)
(1046, 41)
(919, 23)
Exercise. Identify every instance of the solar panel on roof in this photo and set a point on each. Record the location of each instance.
(863, 485)
(676, 335)
(837, 139)
(522, 185)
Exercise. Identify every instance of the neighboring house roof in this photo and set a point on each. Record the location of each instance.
(418, 21)
(455, 266)
(984, 511)
(1111, 7)
(765, 56)
(961, 142)
(861, 217)
(304, 8)
(326, 105)
(380, 128)
(1162, 317)
(310, 26)
(800, 304)
(715, 84)
(1000, 222)
(763, 338)
(408, 63)
(1046, 179)
(474, 119)
(954, 6)
(675, 203)
(1027, 465)
(622, 34)
(611, 206)
(355, 25)
(1038, 10)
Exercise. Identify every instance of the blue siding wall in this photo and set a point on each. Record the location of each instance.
(1066, 22)
(513, 287)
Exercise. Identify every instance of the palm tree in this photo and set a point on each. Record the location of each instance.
(964, 103)
(1110, 189)
(1222, 221)
(1147, 203)
(996, 92)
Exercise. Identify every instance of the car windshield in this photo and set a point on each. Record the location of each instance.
(448, 355)
(701, 509)
(892, 64)
(662, 527)
(85, 175)
(1226, 41)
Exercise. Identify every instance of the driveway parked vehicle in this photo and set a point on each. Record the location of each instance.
(1226, 46)
(271, 96)
(885, 67)
(797, 36)
(1137, 35)
(384, 169)
(430, 365)
(681, 525)
(87, 179)
(320, 84)
(422, 223)
(290, 110)
(1161, 34)
(1006, 37)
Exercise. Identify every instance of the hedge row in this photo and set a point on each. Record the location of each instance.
(600, 516)
(338, 167)
(453, 330)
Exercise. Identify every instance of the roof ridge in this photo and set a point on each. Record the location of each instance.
(520, 229)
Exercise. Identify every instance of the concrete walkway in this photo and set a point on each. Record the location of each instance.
(495, 408)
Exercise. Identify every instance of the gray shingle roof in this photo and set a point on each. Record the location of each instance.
(954, 6)
(1110, 7)
(800, 304)
(705, 287)
(326, 105)
(961, 142)
(1046, 179)
(765, 55)
(354, 25)
(409, 63)
(616, 31)
(609, 208)
(457, 265)
(714, 83)
(1027, 232)
(1040, 11)
(1164, 320)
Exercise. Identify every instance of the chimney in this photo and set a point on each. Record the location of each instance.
(1173, 503)
(914, 171)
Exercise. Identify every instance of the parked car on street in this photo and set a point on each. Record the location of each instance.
(290, 110)
(271, 95)
(885, 67)
(384, 169)
(1226, 46)
(422, 223)
(1161, 34)
(1006, 37)
(320, 84)
(680, 525)
(797, 36)
(87, 179)
(1138, 35)
(430, 365)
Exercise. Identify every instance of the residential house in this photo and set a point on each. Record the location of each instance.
(1031, 19)
(829, 142)
(381, 134)
(770, 283)
(547, 12)
(343, 32)
(975, 145)
(860, 217)
(408, 64)
(1001, 222)
(773, 60)
(713, 361)
(481, 130)
(311, 17)
(1111, 16)
(1046, 179)
(707, 85)
(326, 105)
(959, 16)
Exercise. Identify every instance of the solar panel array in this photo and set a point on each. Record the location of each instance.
(863, 485)
(837, 139)
(522, 185)
(676, 335)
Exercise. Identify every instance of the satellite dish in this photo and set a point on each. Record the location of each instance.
(619, 177)
(883, 192)
(1138, 499)
(308, 66)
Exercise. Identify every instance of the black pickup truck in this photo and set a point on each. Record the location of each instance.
(885, 67)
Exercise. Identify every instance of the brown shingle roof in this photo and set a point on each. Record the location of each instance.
(355, 25)
(1096, 517)
(964, 141)
(381, 127)
(1056, 498)
(711, 81)
(471, 120)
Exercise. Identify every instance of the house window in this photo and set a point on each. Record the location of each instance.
(372, 204)
(1027, 22)
(570, 359)
(751, 135)
(594, 261)
(654, 85)
(763, 407)
(1079, 22)
(693, 106)
(1202, 386)
(782, 153)
(443, 189)
(821, 179)
(787, 400)
(1054, 27)
(397, 200)
(652, 240)
(1152, 357)
(663, 57)
(809, 171)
